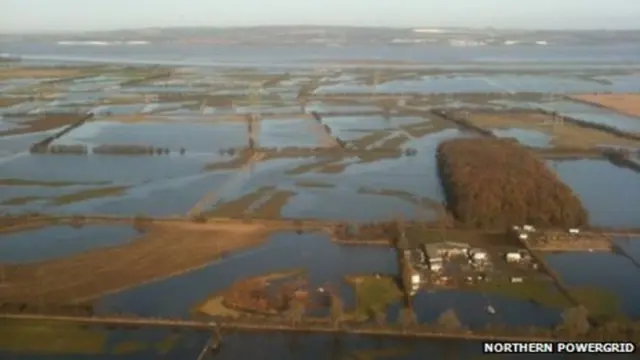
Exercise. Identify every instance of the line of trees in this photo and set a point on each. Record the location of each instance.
(574, 324)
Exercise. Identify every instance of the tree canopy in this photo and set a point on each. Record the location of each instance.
(496, 183)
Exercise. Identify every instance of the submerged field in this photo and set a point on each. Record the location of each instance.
(346, 145)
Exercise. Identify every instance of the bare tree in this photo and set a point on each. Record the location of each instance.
(295, 312)
(337, 309)
(380, 317)
(449, 321)
(575, 321)
(407, 317)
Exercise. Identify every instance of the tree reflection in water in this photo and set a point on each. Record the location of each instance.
(294, 343)
(337, 348)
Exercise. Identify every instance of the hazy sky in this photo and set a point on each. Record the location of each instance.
(65, 15)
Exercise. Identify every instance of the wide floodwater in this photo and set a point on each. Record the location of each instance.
(198, 55)
(172, 184)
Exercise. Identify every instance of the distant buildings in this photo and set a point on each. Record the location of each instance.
(415, 282)
(463, 42)
(429, 31)
(436, 265)
(437, 253)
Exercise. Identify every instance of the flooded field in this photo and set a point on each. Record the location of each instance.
(60, 241)
(196, 137)
(346, 145)
(613, 203)
(619, 279)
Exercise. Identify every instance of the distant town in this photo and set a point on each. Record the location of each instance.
(334, 36)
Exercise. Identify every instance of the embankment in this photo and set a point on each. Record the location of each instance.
(462, 122)
(621, 158)
(152, 77)
(327, 129)
(43, 145)
(324, 325)
(496, 183)
(567, 153)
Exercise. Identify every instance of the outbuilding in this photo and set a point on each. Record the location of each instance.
(435, 266)
(479, 255)
(513, 257)
(415, 279)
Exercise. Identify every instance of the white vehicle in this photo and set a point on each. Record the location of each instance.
(574, 231)
(415, 279)
(513, 257)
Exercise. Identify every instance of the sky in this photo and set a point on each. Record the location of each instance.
(87, 15)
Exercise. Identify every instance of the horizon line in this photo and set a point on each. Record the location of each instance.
(231, 27)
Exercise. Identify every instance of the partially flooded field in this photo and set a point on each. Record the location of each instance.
(536, 129)
(624, 103)
(352, 145)
(594, 114)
